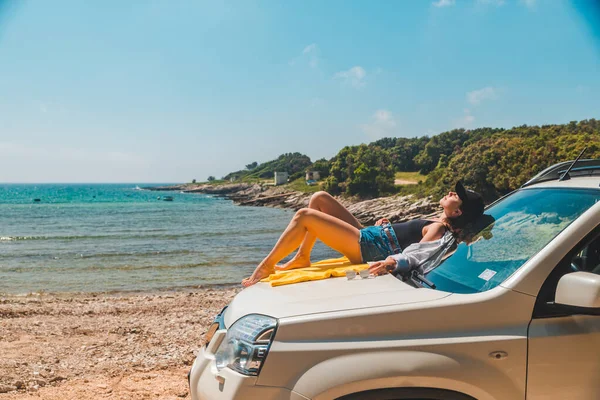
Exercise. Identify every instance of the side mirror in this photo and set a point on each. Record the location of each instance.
(579, 289)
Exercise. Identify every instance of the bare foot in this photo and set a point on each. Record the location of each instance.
(262, 271)
(299, 261)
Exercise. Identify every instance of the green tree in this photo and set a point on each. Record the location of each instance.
(502, 162)
(443, 144)
(362, 170)
(211, 178)
(321, 166)
(404, 152)
(384, 143)
(289, 162)
(493, 161)
(332, 185)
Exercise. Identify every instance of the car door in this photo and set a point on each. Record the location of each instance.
(564, 345)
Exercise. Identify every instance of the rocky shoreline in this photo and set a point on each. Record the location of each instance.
(395, 208)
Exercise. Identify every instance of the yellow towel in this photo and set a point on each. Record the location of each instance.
(334, 267)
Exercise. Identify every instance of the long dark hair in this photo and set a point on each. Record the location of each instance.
(454, 225)
(468, 230)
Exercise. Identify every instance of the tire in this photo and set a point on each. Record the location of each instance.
(407, 394)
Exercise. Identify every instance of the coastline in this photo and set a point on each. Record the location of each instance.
(396, 208)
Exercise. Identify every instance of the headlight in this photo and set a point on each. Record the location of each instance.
(246, 344)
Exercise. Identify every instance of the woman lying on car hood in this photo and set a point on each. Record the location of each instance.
(326, 219)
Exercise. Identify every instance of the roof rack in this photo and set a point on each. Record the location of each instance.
(587, 167)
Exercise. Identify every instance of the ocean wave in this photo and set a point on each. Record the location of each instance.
(137, 235)
(140, 254)
(14, 238)
(83, 254)
(134, 235)
(154, 289)
(82, 269)
(205, 264)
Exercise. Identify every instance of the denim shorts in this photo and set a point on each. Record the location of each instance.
(378, 242)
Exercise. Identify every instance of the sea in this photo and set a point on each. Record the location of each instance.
(58, 238)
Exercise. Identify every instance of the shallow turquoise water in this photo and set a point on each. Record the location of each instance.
(112, 237)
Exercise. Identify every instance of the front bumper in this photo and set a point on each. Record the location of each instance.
(207, 383)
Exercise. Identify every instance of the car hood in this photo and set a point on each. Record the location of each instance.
(336, 294)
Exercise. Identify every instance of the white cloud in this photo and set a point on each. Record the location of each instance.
(354, 76)
(443, 3)
(466, 120)
(529, 3)
(316, 102)
(475, 97)
(310, 48)
(382, 124)
(49, 107)
(310, 54)
(497, 3)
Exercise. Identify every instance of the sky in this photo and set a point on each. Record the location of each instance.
(170, 91)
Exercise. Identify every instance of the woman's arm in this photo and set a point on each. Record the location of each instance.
(408, 260)
(434, 231)
(383, 267)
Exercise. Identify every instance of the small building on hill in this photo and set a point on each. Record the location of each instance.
(281, 178)
(313, 175)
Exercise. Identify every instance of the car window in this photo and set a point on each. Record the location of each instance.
(584, 257)
(588, 259)
(523, 223)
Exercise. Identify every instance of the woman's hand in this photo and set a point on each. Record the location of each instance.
(383, 267)
(382, 221)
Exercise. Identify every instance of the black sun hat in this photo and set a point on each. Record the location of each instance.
(472, 205)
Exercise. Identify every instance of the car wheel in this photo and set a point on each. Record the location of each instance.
(407, 394)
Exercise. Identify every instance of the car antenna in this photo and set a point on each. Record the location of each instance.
(565, 176)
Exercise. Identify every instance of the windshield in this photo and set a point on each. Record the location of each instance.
(524, 223)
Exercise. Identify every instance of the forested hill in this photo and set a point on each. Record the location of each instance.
(491, 161)
(293, 163)
(498, 163)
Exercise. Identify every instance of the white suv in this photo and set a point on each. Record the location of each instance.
(513, 316)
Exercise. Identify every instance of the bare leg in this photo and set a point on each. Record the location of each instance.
(324, 202)
(335, 233)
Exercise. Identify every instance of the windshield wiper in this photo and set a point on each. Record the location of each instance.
(419, 279)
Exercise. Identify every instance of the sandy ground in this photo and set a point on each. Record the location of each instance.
(98, 346)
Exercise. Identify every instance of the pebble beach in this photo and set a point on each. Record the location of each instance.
(104, 346)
